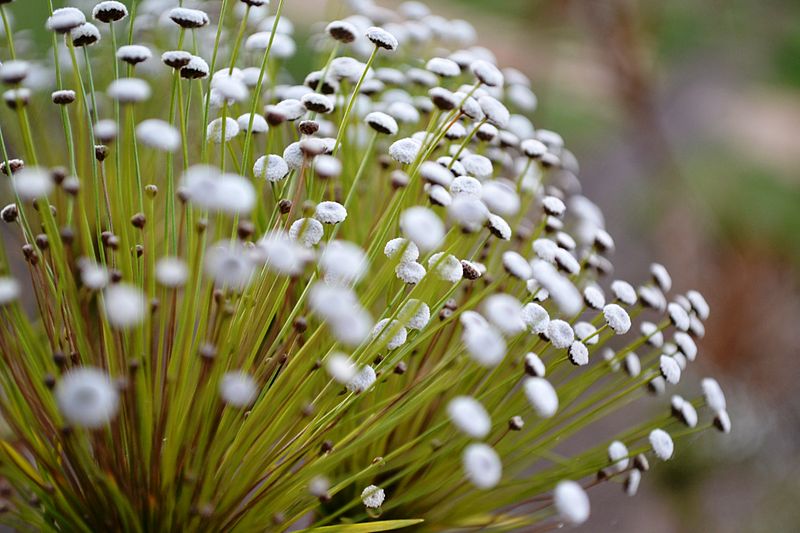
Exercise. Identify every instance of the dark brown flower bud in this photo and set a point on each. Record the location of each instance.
(41, 242)
(308, 127)
(400, 368)
(100, 152)
(63, 97)
(138, 220)
(300, 324)
(515, 423)
(245, 229)
(285, 206)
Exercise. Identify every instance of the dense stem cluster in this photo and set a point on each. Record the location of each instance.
(233, 300)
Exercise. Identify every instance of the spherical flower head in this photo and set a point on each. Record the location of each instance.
(342, 31)
(423, 227)
(593, 297)
(272, 168)
(32, 183)
(405, 150)
(495, 112)
(87, 397)
(535, 318)
(478, 165)
(94, 276)
(109, 11)
(485, 344)
(469, 416)
(416, 313)
(560, 333)
(343, 262)
(617, 318)
(214, 130)
(661, 276)
(188, 18)
(195, 69)
(541, 395)
(446, 266)
(678, 316)
(228, 265)
(670, 369)
(446, 68)
(571, 502)
(382, 123)
(624, 292)
(65, 19)
(482, 466)
(340, 368)
(129, 90)
(330, 212)
(282, 254)
(373, 497)
(561, 290)
(410, 272)
(516, 265)
(499, 227)
(9, 290)
(124, 305)
(159, 135)
(662, 444)
(171, 272)
(405, 249)
(504, 312)
(362, 380)
(390, 333)
(306, 231)
(86, 34)
(133, 54)
(632, 482)
(381, 38)
(534, 366)
(578, 353)
(238, 389)
(259, 123)
(713, 394)
(686, 345)
(618, 455)
(699, 304)
(487, 73)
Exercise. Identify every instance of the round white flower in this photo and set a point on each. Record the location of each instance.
(482, 465)
(87, 397)
(571, 502)
(124, 305)
(469, 416)
(662, 444)
(373, 497)
(541, 395)
(238, 389)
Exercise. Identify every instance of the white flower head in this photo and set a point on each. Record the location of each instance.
(32, 183)
(330, 212)
(446, 266)
(416, 313)
(578, 354)
(617, 318)
(214, 131)
(340, 368)
(662, 444)
(410, 272)
(282, 254)
(670, 369)
(9, 290)
(408, 250)
(699, 304)
(343, 262)
(133, 53)
(482, 465)
(485, 344)
(129, 90)
(390, 333)
(713, 394)
(271, 168)
(487, 73)
(171, 272)
(124, 305)
(87, 397)
(618, 455)
(238, 389)
(373, 497)
(93, 275)
(535, 318)
(505, 312)
(541, 395)
(362, 380)
(65, 19)
(405, 150)
(571, 502)
(307, 231)
(382, 38)
(469, 416)
(228, 265)
(423, 227)
(534, 366)
(624, 292)
(158, 134)
(560, 333)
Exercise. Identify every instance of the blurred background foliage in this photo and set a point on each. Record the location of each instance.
(685, 116)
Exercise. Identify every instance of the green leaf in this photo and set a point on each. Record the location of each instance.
(368, 527)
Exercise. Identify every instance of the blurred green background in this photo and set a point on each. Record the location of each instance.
(685, 116)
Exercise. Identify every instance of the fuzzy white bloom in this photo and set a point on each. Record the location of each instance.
(405, 150)
(654, 336)
(124, 305)
(9, 290)
(670, 369)
(632, 482)
(307, 231)
(516, 265)
(593, 297)
(343, 262)
(417, 312)
(226, 193)
(362, 380)
(94, 276)
(534, 365)
(228, 265)
(487, 73)
(478, 165)
(618, 455)
(188, 18)
(382, 123)
(64, 19)
(500, 197)
(382, 38)
(259, 123)
(713, 394)
(535, 318)
(678, 316)
(661, 276)
(485, 344)
(571, 502)
(158, 134)
(410, 252)
(624, 292)
(171, 272)
(109, 11)
(129, 90)
(32, 183)
(466, 185)
(469, 416)
(410, 272)
(14, 71)
(617, 318)
(281, 254)
(499, 227)
(560, 333)
(541, 395)
(561, 290)
(423, 227)
(106, 130)
(373, 497)
(662, 444)
(340, 368)
(469, 212)
(87, 397)
(389, 332)
(505, 312)
(699, 304)
(330, 212)
(446, 266)
(271, 167)
(578, 354)
(482, 465)
(443, 67)
(133, 53)
(214, 131)
(686, 345)
(238, 389)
